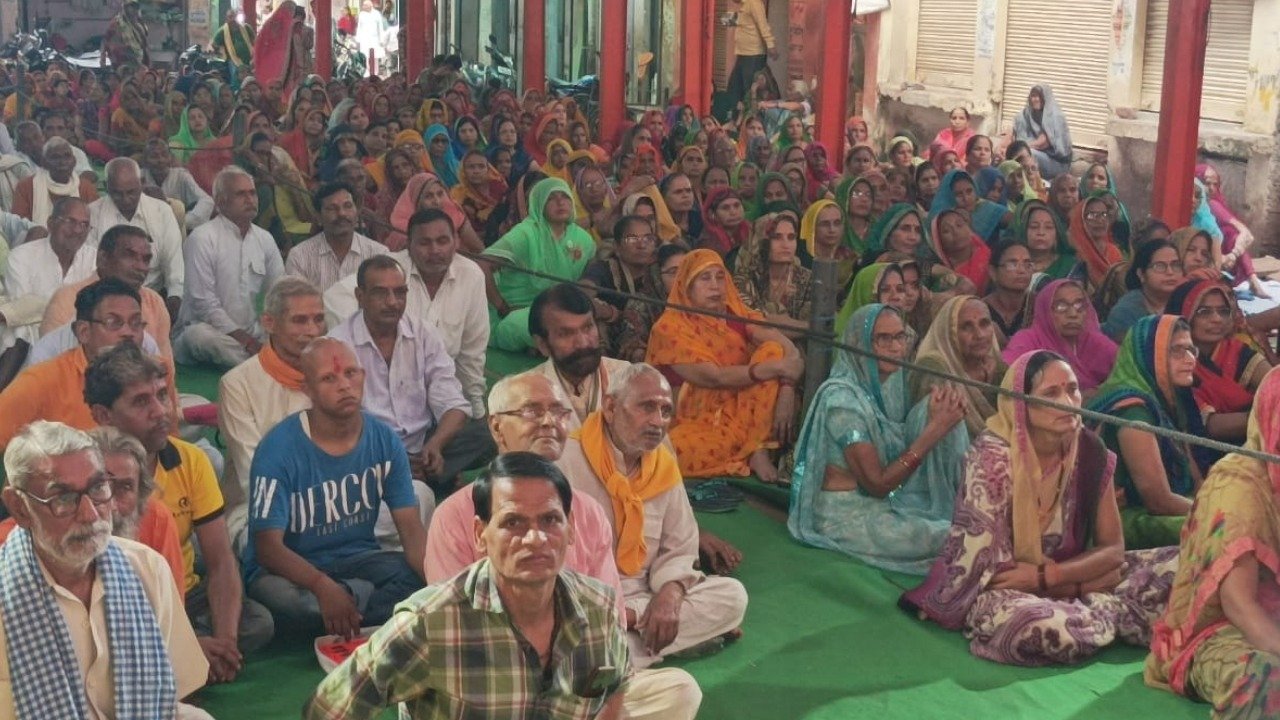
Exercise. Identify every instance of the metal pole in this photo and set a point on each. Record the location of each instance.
(822, 320)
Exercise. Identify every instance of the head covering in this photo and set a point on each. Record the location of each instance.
(984, 218)
(975, 268)
(479, 199)
(1141, 379)
(864, 291)
(668, 230)
(1092, 355)
(185, 143)
(811, 153)
(407, 205)
(882, 229)
(1066, 254)
(1048, 120)
(716, 236)
(809, 223)
(897, 140)
(411, 137)
(1121, 225)
(340, 113)
(679, 334)
(446, 166)
(458, 148)
(1219, 372)
(941, 348)
(1181, 240)
(550, 168)
(531, 145)
(986, 180)
(1202, 215)
(1012, 424)
(844, 191)
(1097, 261)
(764, 180)
(424, 120)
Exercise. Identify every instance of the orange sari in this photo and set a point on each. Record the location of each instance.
(715, 430)
(1097, 261)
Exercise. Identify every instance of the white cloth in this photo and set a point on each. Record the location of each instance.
(225, 273)
(315, 260)
(181, 186)
(32, 276)
(154, 216)
(42, 186)
(63, 339)
(13, 170)
(459, 310)
(370, 28)
(82, 162)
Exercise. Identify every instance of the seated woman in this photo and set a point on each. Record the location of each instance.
(875, 477)
(882, 283)
(901, 152)
(1035, 225)
(548, 241)
(1090, 236)
(1010, 297)
(954, 245)
(822, 177)
(962, 342)
(1236, 236)
(632, 339)
(632, 268)
(1217, 641)
(855, 198)
(1066, 323)
(769, 275)
(479, 190)
(1151, 383)
(1043, 127)
(979, 154)
(1152, 277)
(925, 186)
(724, 225)
(900, 229)
(822, 230)
(958, 192)
(426, 191)
(1228, 371)
(1035, 570)
(955, 137)
(738, 399)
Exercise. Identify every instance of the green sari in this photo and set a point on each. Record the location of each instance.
(1067, 260)
(185, 143)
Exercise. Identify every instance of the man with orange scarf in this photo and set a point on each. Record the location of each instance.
(618, 458)
(266, 388)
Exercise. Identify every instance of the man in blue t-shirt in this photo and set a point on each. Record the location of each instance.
(317, 481)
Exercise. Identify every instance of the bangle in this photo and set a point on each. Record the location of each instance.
(751, 372)
(910, 459)
(1044, 586)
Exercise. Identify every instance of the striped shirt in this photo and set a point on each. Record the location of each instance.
(450, 650)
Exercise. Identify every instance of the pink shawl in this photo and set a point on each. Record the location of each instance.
(407, 205)
(1093, 355)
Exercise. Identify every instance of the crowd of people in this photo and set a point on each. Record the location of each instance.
(348, 254)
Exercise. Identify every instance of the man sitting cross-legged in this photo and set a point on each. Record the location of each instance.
(618, 458)
(530, 415)
(130, 391)
(90, 625)
(319, 480)
(515, 635)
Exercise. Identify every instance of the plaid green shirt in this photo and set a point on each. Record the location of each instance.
(450, 651)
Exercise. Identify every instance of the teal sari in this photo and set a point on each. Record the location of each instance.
(905, 530)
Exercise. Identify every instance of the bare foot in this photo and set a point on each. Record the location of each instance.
(762, 467)
(721, 557)
(1255, 286)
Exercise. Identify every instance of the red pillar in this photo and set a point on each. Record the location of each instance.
(323, 10)
(250, 10)
(420, 33)
(695, 75)
(1177, 144)
(535, 45)
(833, 83)
(613, 71)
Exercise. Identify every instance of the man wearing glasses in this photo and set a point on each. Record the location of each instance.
(68, 591)
(108, 313)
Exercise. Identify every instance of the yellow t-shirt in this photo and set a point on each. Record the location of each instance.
(185, 481)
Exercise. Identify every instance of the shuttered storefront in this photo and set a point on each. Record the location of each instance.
(944, 43)
(1065, 45)
(1226, 60)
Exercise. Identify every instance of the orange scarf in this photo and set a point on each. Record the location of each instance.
(278, 369)
(658, 474)
(1098, 262)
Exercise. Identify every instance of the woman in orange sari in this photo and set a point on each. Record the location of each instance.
(1090, 235)
(738, 399)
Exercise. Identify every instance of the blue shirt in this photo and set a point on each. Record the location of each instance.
(326, 505)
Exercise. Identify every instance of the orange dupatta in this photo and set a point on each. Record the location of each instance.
(1097, 261)
(658, 474)
(683, 337)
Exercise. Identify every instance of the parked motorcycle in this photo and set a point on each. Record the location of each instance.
(37, 51)
(196, 60)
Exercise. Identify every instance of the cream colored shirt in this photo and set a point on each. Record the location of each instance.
(587, 398)
(87, 627)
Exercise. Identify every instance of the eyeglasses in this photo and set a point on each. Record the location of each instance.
(1062, 307)
(1015, 265)
(886, 339)
(640, 239)
(113, 324)
(558, 413)
(1179, 352)
(1166, 267)
(1097, 215)
(65, 504)
(1221, 311)
(671, 271)
(859, 193)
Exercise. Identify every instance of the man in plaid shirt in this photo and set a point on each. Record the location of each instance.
(514, 636)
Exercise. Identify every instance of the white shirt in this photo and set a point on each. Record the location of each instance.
(157, 219)
(314, 259)
(459, 311)
(225, 274)
(181, 186)
(34, 273)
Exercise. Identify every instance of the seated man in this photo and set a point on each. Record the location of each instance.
(446, 291)
(229, 262)
(104, 590)
(176, 182)
(108, 313)
(338, 250)
(130, 391)
(266, 388)
(409, 382)
(34, 196)
(514, 635)
(126, 204)
(1219, 639)
(530, 415)
(55, 124)
(137, 514)
(319, 480)
(619, 459)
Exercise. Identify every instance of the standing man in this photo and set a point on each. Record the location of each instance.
(338, 250)
(753, 45)
(125, 42)
(125, 204)
(370, 28)
(229, 262)
(234, 41)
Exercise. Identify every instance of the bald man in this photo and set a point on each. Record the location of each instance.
(317, 483)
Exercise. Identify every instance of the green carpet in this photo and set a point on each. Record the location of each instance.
(823, 639)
